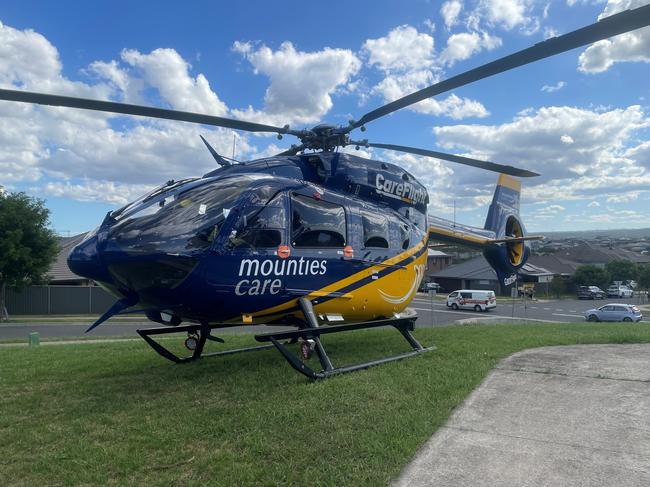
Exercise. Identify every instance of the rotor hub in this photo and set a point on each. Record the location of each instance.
(324, 137)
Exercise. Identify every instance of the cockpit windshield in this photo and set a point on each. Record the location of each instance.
(179, 221)
(165, 188)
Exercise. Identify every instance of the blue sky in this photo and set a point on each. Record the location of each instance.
(580, 119)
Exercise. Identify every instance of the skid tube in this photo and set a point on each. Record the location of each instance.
(405, 323)
(202, 332)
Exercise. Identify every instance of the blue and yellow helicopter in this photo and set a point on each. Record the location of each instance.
(302, 239)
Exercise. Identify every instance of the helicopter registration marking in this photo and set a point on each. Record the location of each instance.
(272, 270)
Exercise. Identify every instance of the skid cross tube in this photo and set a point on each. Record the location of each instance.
(404, 325)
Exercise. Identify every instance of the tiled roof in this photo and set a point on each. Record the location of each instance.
(588, 253)
(436, 253)
(60, 272)
(479, 268)
(553, 263)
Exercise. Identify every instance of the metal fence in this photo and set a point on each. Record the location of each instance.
(58, 300)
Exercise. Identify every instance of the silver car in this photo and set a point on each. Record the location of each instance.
(614, 312)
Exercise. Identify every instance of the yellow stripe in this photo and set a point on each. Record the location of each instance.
(509, 182)
(458, 235)
(343, 282)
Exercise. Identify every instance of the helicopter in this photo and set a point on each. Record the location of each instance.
(313, 239)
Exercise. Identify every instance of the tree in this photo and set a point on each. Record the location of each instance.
(590, 275)
(644, 276)
(27, 246)
(622, 270)
(557, 287)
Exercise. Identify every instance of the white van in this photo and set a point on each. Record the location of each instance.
(472, 299)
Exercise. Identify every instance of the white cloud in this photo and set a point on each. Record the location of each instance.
(103, 191)
(593, 204)
(631, 46)
(624, 197)
(640, 154)
(554, 209)
(507, 13)
(403, 48)
(301, 83)
(393, 87)
(548, 212)
(463, 46)
(598, 161)
(66, 146)
(567, 139)
(166, 71)
(450, 11)
(406, 58)
(552, 88)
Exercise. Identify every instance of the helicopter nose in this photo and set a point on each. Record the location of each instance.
(84, 260)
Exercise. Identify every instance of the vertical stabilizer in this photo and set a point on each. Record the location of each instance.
(503, 219)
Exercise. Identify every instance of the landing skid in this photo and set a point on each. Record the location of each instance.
(310, 333)
(202, 333)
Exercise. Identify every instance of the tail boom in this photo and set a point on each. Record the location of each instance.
(503, 239)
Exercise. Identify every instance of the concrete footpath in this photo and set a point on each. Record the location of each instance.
(552, 416)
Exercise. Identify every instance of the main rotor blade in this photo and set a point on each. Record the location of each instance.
(490, 166)
(144, 111)
(608, 27)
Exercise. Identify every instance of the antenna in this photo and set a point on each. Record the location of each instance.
(454, 212)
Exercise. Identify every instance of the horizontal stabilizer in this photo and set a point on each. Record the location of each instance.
(446, 231)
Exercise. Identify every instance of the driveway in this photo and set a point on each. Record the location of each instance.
(553, 416)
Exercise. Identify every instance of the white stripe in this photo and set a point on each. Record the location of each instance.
(483, 315)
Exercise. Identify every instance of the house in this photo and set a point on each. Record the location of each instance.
(436, 261)
(589, 253)
(60, 273)
(478, 274)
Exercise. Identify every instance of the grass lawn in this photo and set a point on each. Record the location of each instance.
(118, 414)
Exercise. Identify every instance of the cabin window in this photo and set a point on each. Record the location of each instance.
(316, 223)
(375, 230)
(260, 226)
(404, 235)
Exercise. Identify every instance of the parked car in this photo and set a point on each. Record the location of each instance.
(616, 291)
(591, 292)
(528, 290)
(614, 312)
(477, 300)
(430, 286)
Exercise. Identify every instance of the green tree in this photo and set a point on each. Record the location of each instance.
(27, 246)
(590, 275)
(644, 276)
(557, 286)
(622, 270)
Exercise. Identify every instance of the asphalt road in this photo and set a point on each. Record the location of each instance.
(431, 313)
(435, 313)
